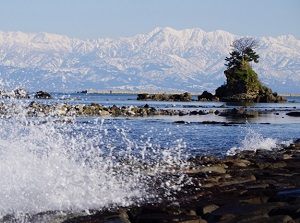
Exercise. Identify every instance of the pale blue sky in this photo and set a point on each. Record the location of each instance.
(90, 19)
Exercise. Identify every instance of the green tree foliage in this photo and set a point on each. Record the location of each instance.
(242, 51)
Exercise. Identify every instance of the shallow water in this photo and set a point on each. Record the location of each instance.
(95, 163)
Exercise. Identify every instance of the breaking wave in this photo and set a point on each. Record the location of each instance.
(55, 164)
(255, 141)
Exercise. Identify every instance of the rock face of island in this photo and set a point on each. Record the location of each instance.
(243, 85)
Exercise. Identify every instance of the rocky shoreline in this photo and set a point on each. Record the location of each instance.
(37, 109)
(252, 186)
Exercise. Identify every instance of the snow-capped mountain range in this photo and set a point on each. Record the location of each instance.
(164, 59)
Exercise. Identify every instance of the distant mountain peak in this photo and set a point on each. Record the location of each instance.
(165, 59)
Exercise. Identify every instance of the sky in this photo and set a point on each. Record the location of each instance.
(92, 19)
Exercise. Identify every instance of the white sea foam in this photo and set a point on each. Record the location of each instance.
(57, 166)
(254, 141)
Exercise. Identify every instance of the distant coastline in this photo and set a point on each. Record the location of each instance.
(290, 95)
(133, 92)
(155, 92)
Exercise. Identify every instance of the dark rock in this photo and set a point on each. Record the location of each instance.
(294, 114)
(164, 217)
(206, 96)
(239, 113)
(163, 97)
(21, 93)
(291, 210)
(181, 122)
(194, 113)
(159, 97)
(198, 113)
(42, 95)
(115, 111)
(143, 97)
(17, 94)
(253, 186)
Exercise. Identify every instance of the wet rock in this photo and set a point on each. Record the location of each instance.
(106, 217)
(209, 208)
(237, 162)
(294, 114)
(17, 93)
(43, 95)
(239, 113)
(198, 113)
(238, 180)
(21, 93)
(115, 111)
(143, 97)
(290, 210)
(160, 215)
(206, 96)
(164, 97)
(250, 187)
(213, 169)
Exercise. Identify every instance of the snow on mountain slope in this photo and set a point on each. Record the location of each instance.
(164, 59)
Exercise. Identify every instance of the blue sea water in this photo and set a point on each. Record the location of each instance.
(95, 162)
(198, 138)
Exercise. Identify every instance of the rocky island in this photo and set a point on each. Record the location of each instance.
(243, 84)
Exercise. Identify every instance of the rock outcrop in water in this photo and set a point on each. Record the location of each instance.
(207, 96)
(165, 97)
(17, 93)
(43, 95)
(36, 109)
(243, 85)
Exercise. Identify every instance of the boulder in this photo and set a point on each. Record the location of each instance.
(21, 93)
(115, 111)
(17, 93)
(143, 97)
(43, 95)
(163, 97)
(207, 96)
(294, 114)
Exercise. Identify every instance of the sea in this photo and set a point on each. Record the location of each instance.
(94, 163)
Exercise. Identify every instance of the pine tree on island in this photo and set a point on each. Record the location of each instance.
(242, 83)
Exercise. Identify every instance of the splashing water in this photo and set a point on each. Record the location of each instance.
(252, 142)
(47, 165)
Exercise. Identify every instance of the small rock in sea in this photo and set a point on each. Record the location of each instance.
(294, 114)
(43, 95)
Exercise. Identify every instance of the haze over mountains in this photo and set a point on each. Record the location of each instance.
(163, 60)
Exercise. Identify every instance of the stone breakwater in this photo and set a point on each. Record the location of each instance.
(252, 186)
(36, 109)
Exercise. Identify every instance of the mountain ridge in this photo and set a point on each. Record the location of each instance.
(164, 59)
